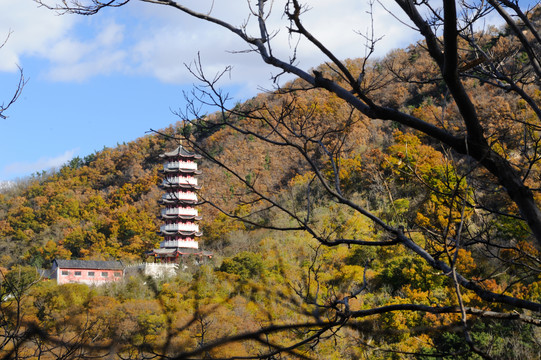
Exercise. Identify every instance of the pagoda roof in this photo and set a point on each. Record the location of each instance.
(182, 152)
(178, 201)
(171, 252)
(189, 251)
(179, 251)
(182, 217)
(184, 186)
(180, 232)
(184, 171)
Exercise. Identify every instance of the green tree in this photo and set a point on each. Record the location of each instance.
(246, 265)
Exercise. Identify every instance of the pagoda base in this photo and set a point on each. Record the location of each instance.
(178, 255)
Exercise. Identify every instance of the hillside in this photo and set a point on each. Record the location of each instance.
(373, 236)
(104, 206)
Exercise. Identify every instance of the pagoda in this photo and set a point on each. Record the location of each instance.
(180, 229)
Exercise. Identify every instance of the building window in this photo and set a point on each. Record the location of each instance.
(104, 274)
(65, 272)
(118, 274)
(77, 273)
(91, 273)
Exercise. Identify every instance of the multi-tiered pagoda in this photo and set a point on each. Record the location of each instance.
(179, 215)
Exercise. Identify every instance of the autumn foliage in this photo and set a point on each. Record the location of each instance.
(296, 271)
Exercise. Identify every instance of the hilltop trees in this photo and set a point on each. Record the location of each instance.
(453, 194)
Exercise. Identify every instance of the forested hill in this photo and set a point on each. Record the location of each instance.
(104, 205)
(360, 238)
(100, 207)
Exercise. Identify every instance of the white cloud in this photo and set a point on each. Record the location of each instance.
(74, 60)
(151, 40)
(162, 50)
(45, 163)
(33, 31)
(76, 47)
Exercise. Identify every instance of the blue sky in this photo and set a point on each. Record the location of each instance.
(100, 80)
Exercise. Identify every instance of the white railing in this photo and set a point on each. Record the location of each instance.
(192, 165)
(180, 180)
(155, 270)
(180, 211)
(192, 244)
(180, 196)
(180, 227)
(146, 264)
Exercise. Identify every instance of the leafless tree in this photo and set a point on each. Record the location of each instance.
(19, 88)
(13, 290)
(455, 44)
